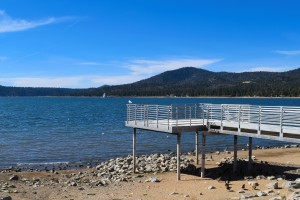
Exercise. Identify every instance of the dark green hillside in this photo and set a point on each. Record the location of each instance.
(188, 81)
(191, 81)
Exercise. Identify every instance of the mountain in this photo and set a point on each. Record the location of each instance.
(187, 81)
(190, 81)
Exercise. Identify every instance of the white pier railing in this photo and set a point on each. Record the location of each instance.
(278, 121)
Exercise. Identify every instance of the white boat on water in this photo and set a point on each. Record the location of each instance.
(104, 95)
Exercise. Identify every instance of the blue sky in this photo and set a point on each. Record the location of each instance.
(88, 43)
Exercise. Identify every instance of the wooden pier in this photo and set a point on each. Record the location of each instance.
(280, 123)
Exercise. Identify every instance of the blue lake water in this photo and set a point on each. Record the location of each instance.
(46, 130)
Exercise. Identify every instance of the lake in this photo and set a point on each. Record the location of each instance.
(50, 130)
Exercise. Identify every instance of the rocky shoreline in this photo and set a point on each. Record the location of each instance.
(115, 171)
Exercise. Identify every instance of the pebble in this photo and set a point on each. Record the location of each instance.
(173, 193)
(273, 185)
(211, 187)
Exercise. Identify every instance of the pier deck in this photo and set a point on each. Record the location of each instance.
(280, 123)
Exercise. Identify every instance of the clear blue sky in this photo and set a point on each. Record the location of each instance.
(88, 43)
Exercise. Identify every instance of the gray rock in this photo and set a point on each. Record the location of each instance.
(253, 183)
(295, 195)
(259, 177)
(271, 177)
(291, 184)
(154, 180)
(5, 198)
(241, 191)
(275, 198)
(14, 178)
(211, 187)
(273, 185)
(261, 193)
(247, 195)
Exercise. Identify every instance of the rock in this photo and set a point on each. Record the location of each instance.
(241, 191)
(247, 195)
(154, 180)
(261, 193)
(268, 191)
(259, 177)
(14, 178)
(173, 193)
(275, 198)
(291, 184)
(253, 183)
(5, 198)
(295, 195)
(273, 185)
(211, 187)
(271, 177)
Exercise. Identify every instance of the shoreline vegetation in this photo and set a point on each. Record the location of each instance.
(274, 175)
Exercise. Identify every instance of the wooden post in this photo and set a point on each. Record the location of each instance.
(178, 155)
(134, 149)
(203, 156)
(250, 154)
(196, 148)
(234, 153)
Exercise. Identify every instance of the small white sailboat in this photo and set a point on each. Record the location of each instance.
(104, 95)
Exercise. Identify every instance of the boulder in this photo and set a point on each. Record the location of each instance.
(273, 185)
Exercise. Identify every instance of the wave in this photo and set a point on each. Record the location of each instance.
(42, 163)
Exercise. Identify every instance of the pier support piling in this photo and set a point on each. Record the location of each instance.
(250, 154)
(178, 155)
(196, 148)
(134, 150)
(203, 155)
(234, 153)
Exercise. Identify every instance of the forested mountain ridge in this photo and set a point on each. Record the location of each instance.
(190, 81)
(187, 81)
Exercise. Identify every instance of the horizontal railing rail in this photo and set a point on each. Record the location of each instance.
(281, 119)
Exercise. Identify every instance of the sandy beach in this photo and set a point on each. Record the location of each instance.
(283, 162)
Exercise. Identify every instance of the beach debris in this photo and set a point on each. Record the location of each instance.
(173, 193)
(211, 187)
(273, 185)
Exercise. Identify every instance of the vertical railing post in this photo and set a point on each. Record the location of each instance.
(184, 111)
(221, 117)
(147, 115)
(144, 108)
(195, 111)
(239, 116)
(190, 116)
(281, 121)
(176, 115)
(157, 116)
(259, 119)
(135, 114)
(169, 109)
